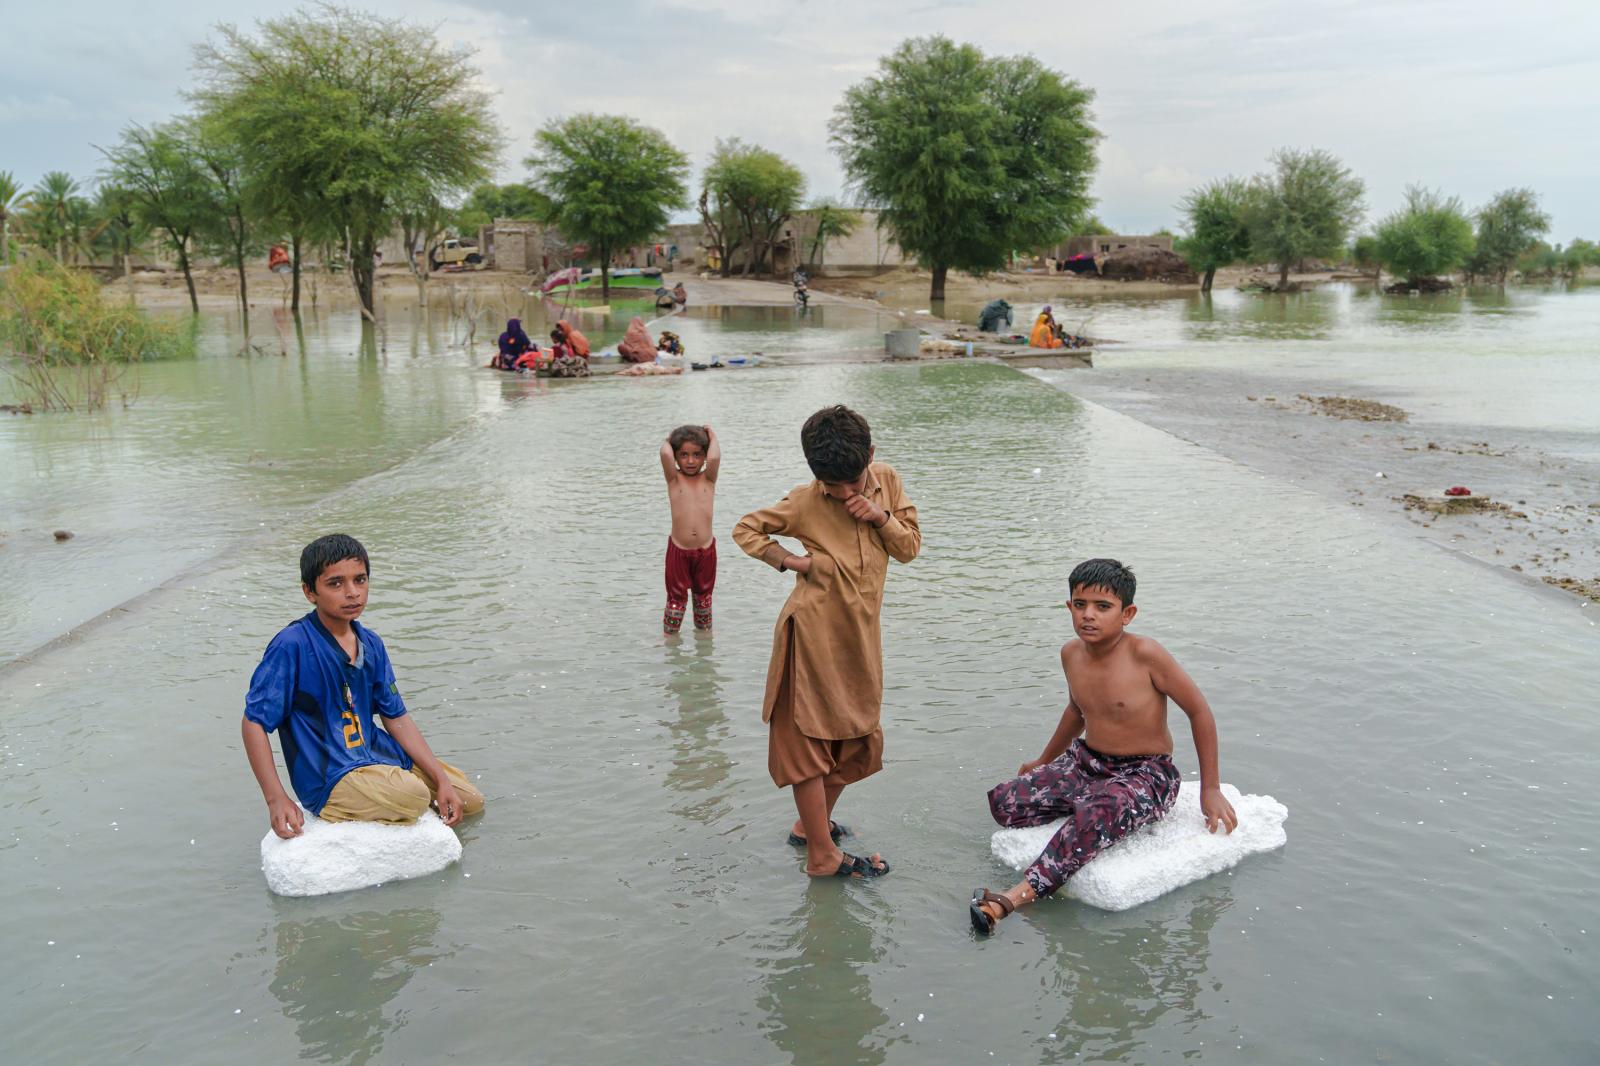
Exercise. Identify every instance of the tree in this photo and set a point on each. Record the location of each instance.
(224, 223)
(760, 189)
(721, 224)
(420, 225)
(51, 211)
(967, 157)
(1306, 207)
(1364, 254)
(121, 231)
(611, 182)
(1090, 226)
(1508, 226)
(1578, 255)
(1219, 231)
(354, 115)
(832, 221)
(12, 197)
(162, 173)
(1430, 236)
(488, 202)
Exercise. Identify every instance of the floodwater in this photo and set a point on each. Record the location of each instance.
(628, 895)
(1525, 359)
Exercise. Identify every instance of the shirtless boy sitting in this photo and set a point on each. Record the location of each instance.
(690, 459)
(1119, 776)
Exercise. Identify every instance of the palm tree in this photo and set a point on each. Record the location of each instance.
(52, 198)
(12, 197)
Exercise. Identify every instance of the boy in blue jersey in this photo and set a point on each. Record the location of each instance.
(319, 684)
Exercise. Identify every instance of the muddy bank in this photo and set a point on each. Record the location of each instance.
(1544, 517)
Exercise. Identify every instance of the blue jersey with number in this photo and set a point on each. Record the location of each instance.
(322, 705)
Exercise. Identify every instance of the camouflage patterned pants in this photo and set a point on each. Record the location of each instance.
(1102, 797)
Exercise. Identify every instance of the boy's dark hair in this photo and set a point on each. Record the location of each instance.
(325, 551)
(689, 434)
(837, 443)
(1104, 574)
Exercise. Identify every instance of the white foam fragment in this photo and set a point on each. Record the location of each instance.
(339, 856)
(1159, 858)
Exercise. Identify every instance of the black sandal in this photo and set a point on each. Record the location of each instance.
(856, 866)
(835, 831)
(981, 922)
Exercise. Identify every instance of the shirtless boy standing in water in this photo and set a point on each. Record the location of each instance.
(690, 459)
(1119, 776)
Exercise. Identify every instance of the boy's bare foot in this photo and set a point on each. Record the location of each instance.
(848, 865)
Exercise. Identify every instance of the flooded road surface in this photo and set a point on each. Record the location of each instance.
(1428, 722)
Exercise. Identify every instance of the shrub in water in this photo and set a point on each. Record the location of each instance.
(65, 346)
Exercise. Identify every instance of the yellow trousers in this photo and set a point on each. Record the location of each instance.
(390, 794)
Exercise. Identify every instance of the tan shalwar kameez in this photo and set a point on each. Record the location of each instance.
(825, 680)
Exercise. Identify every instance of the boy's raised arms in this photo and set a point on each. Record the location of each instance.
(713, 455)
(669, 465)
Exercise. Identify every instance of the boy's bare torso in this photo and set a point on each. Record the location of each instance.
(1123, 711)
(693, 500)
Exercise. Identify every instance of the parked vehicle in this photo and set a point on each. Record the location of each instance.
(454, 251)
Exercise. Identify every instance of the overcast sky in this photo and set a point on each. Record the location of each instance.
(1470, 96)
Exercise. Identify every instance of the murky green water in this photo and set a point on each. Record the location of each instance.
(1527, 358)
(1429, 723)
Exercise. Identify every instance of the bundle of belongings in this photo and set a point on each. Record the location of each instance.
(995, 314)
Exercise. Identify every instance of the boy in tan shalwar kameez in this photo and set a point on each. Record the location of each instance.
(825, 680)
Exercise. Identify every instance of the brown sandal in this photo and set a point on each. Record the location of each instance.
(981, 922)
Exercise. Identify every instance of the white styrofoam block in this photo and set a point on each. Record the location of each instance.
(1159, 858)
(339, 856)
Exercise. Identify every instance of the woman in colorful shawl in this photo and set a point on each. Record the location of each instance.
(1044, 331)
(516, 348)
(636, 345)
(575, 340)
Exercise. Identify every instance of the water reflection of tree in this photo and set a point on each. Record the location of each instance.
(336, 974)
(815, 992)
(1274, 316)
(700, 767)
(1119, 982)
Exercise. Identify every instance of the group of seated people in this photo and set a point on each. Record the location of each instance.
(1047, 333)
(567, 356)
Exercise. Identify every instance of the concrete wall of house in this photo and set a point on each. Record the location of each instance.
(1105, 243)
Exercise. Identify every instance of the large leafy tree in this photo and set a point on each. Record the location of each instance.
(759, 188)
(1508, 226)
(1219, 229)
(1306, 207)
(1429, 236)
(353, 115)
(967, 157)
(161, 170)
(611, 182)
